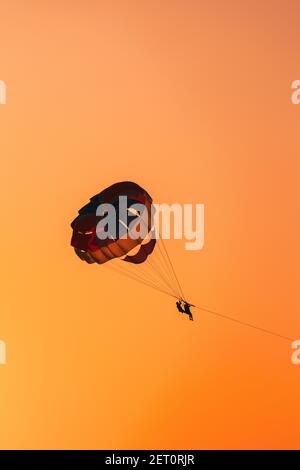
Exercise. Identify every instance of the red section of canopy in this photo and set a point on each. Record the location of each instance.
(142, 254)
(88, 246)
(84, 237)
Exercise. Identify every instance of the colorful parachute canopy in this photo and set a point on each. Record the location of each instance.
(90, 248)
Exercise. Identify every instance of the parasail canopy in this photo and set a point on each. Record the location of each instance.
(134, 240)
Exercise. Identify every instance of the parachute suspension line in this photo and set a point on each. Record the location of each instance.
(168, 269)
(150, 279)
(129, 275)
(173, 270)
(165, 279)
(138, 274)
(154, 280)
(151, 276)
(160, 281)
(151, 273)
(164, 268)
(161, 274)
(147, 272)
(168, 277)
(141, 275)
(162, 263)
(140, 270)
(133, 275)
(168, 281)
(240, 322)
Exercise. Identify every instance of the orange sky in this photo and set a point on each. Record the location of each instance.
(192, 101)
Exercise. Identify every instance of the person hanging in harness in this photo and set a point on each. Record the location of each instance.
(179, 307)
(185, 309)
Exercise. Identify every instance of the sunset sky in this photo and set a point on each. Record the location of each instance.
(191, 100)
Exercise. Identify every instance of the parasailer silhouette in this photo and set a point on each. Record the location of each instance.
(144, 259)
(179, 307)
(187, 310)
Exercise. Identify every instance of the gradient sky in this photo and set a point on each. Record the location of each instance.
(192, 101)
